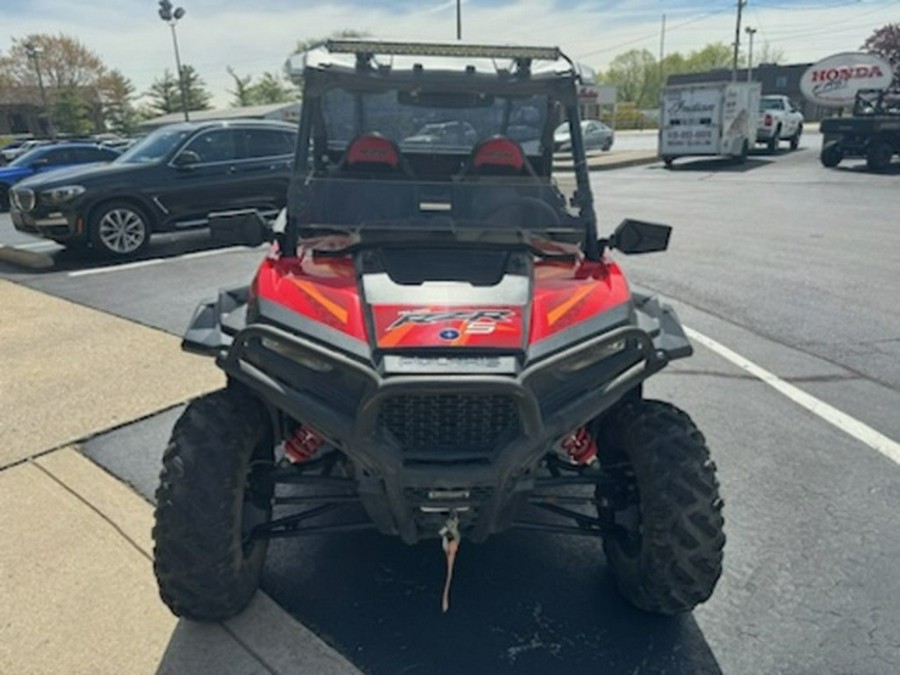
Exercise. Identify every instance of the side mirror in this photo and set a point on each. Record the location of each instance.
(637, 236)
(186, 158)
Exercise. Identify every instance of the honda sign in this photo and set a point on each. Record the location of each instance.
(835, 80)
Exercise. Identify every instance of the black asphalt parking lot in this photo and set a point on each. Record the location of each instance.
(792, 267)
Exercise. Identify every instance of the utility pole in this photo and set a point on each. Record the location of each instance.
(662, 52)
(34, 52)
(737, 40)
(751, 32)
(171, 16)
(459, 19)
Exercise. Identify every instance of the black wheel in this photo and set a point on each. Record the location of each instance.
(668, 161)
(212, 494)
(878, 156)
(119, 229)
(4, 197)
(795, 139)
(669, 556)
(772, 143)
(831, 155)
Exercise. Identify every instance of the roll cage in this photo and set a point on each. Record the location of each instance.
(453, 75)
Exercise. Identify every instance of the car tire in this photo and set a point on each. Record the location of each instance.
(879, 155)
(4, 197)
(831, 155)
(119, 229)
(795, 139)
(672, 559)
(209, 498)
(667, 161)
(772, 143)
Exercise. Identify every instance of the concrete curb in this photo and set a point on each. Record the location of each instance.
(27, 259)
(614, 164)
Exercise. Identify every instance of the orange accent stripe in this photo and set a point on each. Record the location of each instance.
(392, 338)
(310, 289)
(558, 312)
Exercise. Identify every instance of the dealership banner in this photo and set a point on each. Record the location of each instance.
(834, 81)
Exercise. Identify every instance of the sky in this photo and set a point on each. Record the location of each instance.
(253, 36)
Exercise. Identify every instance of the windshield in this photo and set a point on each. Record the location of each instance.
(771, 104)
(436, 122)
(28, 158)
(153, 148)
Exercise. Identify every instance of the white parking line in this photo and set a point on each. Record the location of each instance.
(34, 245)
(155, 261)
(849, 425)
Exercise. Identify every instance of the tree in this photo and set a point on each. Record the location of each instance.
(116, 97)
(198, 97)
(886, 43)
(165, 93)
(768, 54)
(639, 78)
(241, 91)
(269, 89)
(635, 75)
(70, 73)
(71, 113)
(711, 57)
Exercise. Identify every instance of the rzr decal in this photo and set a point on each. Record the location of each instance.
(485, 318)
(398, 326)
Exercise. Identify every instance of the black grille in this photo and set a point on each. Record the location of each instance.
(449, 426)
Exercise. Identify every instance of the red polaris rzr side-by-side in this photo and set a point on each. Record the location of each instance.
(437, 346)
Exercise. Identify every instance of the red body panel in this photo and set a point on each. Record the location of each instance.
(567, 294)
(324, 289)
(319, 288)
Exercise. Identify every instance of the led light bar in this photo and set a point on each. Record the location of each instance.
(442, 49)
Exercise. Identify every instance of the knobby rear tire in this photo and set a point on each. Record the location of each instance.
(674, 561)
(203, 569)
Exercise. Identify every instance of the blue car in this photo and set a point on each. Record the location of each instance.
(48, 158)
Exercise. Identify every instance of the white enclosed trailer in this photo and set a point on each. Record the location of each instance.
(710, 118)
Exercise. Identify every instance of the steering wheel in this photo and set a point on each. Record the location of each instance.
(514, 211)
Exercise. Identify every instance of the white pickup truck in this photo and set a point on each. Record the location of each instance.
(779, 120)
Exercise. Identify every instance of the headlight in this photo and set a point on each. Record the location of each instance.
(62, 194)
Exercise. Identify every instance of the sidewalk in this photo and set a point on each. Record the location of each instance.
(614, 159)
(76, 575)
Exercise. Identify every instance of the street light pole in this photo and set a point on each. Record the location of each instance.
(459, 19)
(33, 51)
(751, 32)
(171, 16)
(737, 39)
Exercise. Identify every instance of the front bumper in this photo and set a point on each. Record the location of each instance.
(408, 434)
(46, 221)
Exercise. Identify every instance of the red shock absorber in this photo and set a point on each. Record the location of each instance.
(303, 445)
(580, 446)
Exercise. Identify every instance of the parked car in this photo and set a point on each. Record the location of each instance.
(779, 120)
(19, 148)
(48, 158)
(597, 136)
(449, 134)
(171, 180)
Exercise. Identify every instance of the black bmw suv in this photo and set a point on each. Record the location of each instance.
(171, 180)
